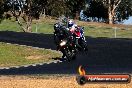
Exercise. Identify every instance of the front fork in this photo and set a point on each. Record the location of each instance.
(66, 52)
(77, 43)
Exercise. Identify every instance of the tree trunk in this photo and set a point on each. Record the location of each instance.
(111, 10)
(25, 27)
(110, 18)
(29, 26)
(44, 13)
(77, 15)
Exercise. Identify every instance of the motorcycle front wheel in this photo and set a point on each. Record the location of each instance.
(70, 55)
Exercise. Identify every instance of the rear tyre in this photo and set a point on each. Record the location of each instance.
(74, 57)
(84, 45)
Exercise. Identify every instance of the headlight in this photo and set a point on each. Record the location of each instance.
(63, 43)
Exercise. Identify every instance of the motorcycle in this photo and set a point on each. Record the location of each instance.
(68, 49)
(80, 39)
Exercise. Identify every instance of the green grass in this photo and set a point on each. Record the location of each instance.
(12, 55)
(11, 25)
(43, 28)
(90, 30)
(107, 32)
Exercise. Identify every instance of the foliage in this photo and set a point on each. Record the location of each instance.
(22, 9)
(109, 10)
(105, 10)
(124, 11)
(58, 8)
(1, 9)
(75, 6)
(26, 10)
(96, 9)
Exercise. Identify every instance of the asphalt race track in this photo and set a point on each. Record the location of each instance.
(105, 55)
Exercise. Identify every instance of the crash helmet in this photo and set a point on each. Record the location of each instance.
(57, 26)
(70, 23)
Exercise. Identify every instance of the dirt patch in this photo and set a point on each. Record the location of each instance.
(61, 82)
(36, 57)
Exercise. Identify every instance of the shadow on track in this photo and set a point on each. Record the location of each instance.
(105, 55)
(29, 39)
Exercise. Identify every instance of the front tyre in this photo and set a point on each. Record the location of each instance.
(70, 55)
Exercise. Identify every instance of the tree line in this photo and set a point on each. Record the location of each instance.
(109, 11)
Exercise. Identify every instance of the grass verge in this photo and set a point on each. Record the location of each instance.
(92, 29)
(13, 55)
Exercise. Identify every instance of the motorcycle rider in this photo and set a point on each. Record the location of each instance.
(72, 29)
(60, 33)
